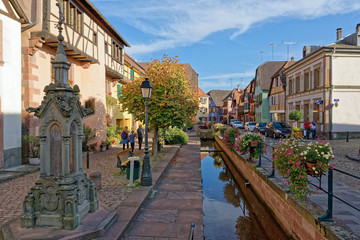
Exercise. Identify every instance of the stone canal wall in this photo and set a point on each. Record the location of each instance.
(295, 220)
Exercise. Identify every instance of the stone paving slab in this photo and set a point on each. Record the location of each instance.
(177, 202)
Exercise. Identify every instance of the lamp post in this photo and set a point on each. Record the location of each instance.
(146, 179)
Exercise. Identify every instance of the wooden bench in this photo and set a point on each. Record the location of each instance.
(120, 164)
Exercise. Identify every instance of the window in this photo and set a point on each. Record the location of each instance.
(116, 51)
(298, 84)
(282, 99)
(72, 15)
(276, 82)
(316, 112)
(94, 38)
(306, 112)
(317, 78)
(290, 87)
(90, 103)
(106, 48)
(307, 81)
(297, 107)
(203, 100)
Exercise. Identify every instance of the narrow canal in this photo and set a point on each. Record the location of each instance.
(231, 209)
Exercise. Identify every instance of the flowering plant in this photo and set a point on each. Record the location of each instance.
(319, 154)
(217, 126)
(229, 137)
(296, 129)
(243, 144)
(290, 157)
(93, 145)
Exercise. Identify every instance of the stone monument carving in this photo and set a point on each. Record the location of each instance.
(64, 194)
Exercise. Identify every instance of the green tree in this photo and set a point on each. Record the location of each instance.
(172, 103)
(296, 115)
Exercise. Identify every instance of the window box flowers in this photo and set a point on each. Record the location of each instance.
(229, 137)
(92, 147)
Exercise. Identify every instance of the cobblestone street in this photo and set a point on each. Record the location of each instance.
(114, 185)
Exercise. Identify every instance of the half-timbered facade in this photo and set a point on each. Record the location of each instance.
(93, 47)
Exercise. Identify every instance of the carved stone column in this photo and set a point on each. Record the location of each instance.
(43, 157)
(66, 155)
(80, 156)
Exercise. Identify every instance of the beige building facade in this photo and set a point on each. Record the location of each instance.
(325, 87)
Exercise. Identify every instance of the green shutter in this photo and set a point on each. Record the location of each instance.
(118, 91)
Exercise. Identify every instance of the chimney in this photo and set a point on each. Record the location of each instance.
(292, 59)
(358, 28)
(339, 33)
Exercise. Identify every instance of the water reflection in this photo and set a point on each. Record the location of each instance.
(227, 214)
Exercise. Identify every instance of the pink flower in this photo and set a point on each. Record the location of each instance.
(287, 180)
(297, 164)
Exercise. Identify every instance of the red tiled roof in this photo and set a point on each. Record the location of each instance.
(202, 93)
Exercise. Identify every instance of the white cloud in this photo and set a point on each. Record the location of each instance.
(176, 23)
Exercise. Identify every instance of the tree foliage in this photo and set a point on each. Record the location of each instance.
(172, 102)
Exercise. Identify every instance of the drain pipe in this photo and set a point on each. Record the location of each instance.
(36, 15)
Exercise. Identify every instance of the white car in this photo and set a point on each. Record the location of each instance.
(250, 126)
(232, 121)
(238, 124)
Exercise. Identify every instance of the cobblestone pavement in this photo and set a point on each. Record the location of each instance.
(114, 185)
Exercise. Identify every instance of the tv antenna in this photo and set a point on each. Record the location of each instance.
(272, 49)
(288, 45)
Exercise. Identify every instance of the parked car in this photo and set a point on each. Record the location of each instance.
(260, 128)
(277, 129)
(250, 126)
(238, 124)
(232, 121)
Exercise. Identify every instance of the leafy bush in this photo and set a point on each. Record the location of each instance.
(224, 121)
(296, 115)
(34, 145)
(175, 136)
(89, 134)
(110, 132)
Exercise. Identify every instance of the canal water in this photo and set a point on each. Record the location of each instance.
(231, 211)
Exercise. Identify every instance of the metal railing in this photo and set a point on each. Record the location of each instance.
(191, 232)
(330, 191)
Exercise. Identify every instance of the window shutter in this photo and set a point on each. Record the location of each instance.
(118, 91)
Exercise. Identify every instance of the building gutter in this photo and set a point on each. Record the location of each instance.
(36, 20)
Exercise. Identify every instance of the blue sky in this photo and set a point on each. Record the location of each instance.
(222, 39)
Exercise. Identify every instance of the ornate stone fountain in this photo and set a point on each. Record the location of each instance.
(63, 195)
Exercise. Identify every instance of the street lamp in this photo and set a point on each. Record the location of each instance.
(146, 179)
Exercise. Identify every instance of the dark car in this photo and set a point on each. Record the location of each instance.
(260, 128)
(277, 129)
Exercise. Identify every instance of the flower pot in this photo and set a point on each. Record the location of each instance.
(34, 161)
(310, 169)
(254, 143)
(297, 134)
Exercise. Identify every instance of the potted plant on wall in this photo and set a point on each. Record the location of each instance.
(296, 116)
(34, 148)
(294, 161)
(251, 143)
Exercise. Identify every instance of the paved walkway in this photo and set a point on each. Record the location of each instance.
(176, 202)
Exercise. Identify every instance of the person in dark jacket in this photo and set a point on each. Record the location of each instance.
(125, 138)
(140, 134)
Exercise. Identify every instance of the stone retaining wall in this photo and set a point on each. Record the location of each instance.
(295, 220)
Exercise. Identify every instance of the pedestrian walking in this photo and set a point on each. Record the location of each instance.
(140, 134)
(313, 129)
(307, 129)
(125, 138)
(132, 140)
